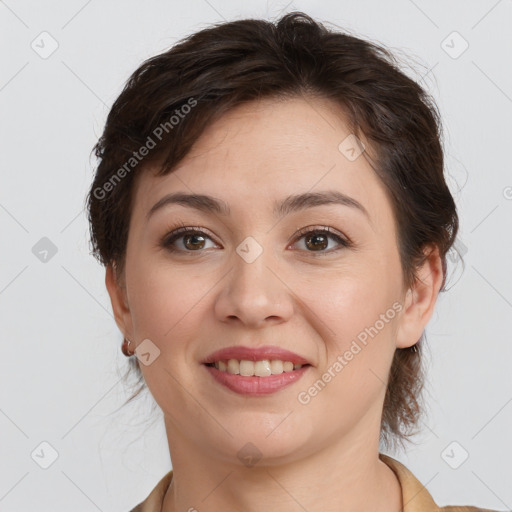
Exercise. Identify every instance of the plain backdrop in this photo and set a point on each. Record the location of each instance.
(62, 66)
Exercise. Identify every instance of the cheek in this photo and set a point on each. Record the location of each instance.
(165, 302)
(359, 347)
(349, 301)
(166, 305)
(358, 317)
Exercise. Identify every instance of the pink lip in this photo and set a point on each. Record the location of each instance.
(256, 386)
(255, 354)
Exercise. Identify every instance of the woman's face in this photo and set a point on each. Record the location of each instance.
(250, 279)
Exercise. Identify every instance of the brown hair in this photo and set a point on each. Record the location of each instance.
(172, 97)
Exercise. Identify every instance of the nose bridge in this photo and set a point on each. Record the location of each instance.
(251, 275)
(254, 293)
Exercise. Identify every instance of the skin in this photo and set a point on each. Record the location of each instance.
(322, 455)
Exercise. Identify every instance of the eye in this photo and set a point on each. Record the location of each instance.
(193, 239)
(317, 238)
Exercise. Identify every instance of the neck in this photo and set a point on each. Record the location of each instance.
(347, 475)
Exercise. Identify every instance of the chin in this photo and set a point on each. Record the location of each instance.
(264, 438)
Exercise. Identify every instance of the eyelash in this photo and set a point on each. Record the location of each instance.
(183, 230)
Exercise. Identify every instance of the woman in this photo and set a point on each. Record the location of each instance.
(272, 213)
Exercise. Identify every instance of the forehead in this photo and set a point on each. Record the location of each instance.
(265, 150)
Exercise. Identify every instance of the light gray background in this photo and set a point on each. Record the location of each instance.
(61, 362)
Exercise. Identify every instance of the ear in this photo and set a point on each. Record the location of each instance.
(117, 291)
(420, 299)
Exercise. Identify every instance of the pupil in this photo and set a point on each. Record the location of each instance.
(316, 238)
(188, 237)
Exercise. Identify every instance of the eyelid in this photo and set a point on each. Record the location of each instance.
(184, 229)
(343, 241)
(321, 229)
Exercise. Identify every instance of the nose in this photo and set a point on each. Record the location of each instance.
(254, 294)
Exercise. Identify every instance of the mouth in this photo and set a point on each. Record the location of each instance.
(242, 353)
(255, 371)
(262, 368)
(252, 385)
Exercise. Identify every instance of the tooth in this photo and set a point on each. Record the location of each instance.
(276, 366)
(262, 368)
(288, 366)
(233, 366)
(246, 368)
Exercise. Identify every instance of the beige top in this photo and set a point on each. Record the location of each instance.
(415, 496)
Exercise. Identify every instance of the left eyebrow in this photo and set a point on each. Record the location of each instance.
(300, 202)
(290, 204)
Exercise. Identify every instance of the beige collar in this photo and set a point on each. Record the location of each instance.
(415, 496)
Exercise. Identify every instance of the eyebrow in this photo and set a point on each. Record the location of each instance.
(293, 203)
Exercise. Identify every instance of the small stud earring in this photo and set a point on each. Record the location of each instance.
(125, 348)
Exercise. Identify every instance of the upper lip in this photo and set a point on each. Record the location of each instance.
(255, 354)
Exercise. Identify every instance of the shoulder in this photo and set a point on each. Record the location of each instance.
(153, 502)
(416, 497)
(460, 508)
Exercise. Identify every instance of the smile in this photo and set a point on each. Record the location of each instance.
(251, 384)
(263, 368)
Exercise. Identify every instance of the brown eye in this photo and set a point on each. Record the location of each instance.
(195, 240)
(192, 240)
(317, 240)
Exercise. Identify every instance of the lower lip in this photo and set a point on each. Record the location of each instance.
(256, 386)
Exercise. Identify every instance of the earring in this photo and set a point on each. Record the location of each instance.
(125, 348)
(414, 348)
